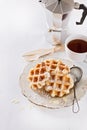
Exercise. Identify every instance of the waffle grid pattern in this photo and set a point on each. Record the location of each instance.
(51, 76)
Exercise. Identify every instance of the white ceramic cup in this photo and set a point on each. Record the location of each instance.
(79, 57)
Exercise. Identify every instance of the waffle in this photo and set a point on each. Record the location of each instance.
(51, 76)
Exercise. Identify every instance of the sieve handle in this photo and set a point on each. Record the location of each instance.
(75, 106)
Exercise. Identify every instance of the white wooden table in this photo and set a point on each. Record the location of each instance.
(22, 29)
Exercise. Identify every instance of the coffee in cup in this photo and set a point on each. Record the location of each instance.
(76, 47)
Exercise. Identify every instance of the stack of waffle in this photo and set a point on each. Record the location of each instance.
(52, 77)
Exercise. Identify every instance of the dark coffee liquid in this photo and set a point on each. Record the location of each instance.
(79, 46)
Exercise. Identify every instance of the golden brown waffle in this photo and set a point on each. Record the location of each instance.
(51, 76)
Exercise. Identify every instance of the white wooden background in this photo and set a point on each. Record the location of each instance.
(22, 29)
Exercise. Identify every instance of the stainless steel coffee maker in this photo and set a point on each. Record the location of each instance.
(57, 16)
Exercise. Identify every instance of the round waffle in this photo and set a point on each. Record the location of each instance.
(52, 77)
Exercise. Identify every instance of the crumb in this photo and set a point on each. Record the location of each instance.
(15, 100)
